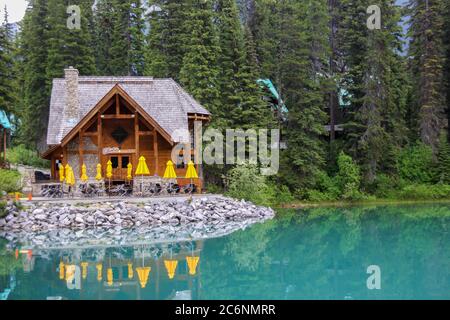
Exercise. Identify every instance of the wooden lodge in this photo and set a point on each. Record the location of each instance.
(99, 119)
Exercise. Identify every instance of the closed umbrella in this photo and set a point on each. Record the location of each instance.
(170, 171)
(70, 273)
(191, 173)
(84, 177)
(109, 170)
(142, 169)
(61, 173)
(129, 171)
(99, 177)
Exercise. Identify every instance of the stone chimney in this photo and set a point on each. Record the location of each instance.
(72, 110)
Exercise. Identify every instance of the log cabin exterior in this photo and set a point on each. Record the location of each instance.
(99, 119)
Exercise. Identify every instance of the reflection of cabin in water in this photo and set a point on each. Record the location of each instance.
(118, 119)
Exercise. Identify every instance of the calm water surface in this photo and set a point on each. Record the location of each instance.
(302, 254)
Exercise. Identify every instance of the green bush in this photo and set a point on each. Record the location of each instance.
(283, 195)
(246, 182)
(425, 192)
(24, 156)
(348, 178)
(415, 164)
(3, 211)
(9, 181)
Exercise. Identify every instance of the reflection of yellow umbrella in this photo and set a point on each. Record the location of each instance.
(99, 267)
(171, 266)
(130, 270)
(62, 270)
(129, 171)
(170, 171)
(192, 263)
(70, 273)
(109, 277)
(61, 173)
(84, 266)
(99, 177)
(109, 169)
(143, 273)
(84, 177)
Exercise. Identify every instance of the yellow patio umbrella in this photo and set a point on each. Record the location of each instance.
(84, 177)
(171, 266)
(99, 267)
(129, 171)
(109, 277)
(192, 263)
(142, 169)
(130, 270)
(191, 173)
(62, 270)
(99, 177)
(70, 273)
(84, 270)
(109, 169)
(61, 173)
(170, 171)
(143, 273)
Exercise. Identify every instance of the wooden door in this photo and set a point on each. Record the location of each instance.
(120, 166)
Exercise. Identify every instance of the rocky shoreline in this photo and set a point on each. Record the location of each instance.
(49, 216)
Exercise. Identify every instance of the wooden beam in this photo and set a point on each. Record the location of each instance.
(90, 134)
(155, 149)
(136, 138)
(65, 160)
(145, 133)
(118, 116)
(80, 150)
(117, 105)
(99, 138)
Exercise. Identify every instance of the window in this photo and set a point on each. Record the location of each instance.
(115, 162)
(125, 162)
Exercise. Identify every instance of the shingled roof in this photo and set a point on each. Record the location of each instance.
(163, 99)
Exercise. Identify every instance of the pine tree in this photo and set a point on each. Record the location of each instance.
(168, 38)
(68, 47)
(376, 84)
(7, 97)
(35, 96)
(103, 22)
(427, 54)
(199, 72)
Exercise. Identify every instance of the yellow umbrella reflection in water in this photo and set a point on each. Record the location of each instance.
(192, 263)
(84, 270)
(99, 267)
(109, 276)
(62, 270)
(143, 273)
(130, 270)
(171, 266)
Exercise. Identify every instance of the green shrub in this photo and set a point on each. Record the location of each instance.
(348, 178)
(425, 192)
(24, 156)
(415, 164)
(283, 195)
(9, 181)
(246, 182)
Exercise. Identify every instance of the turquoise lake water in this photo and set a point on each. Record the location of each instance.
(320, 253)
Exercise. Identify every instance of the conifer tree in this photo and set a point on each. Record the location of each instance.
(427, 54)
(103, 22)
(7, 97)
(168, 38)
(443, 160)
(199, 72)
